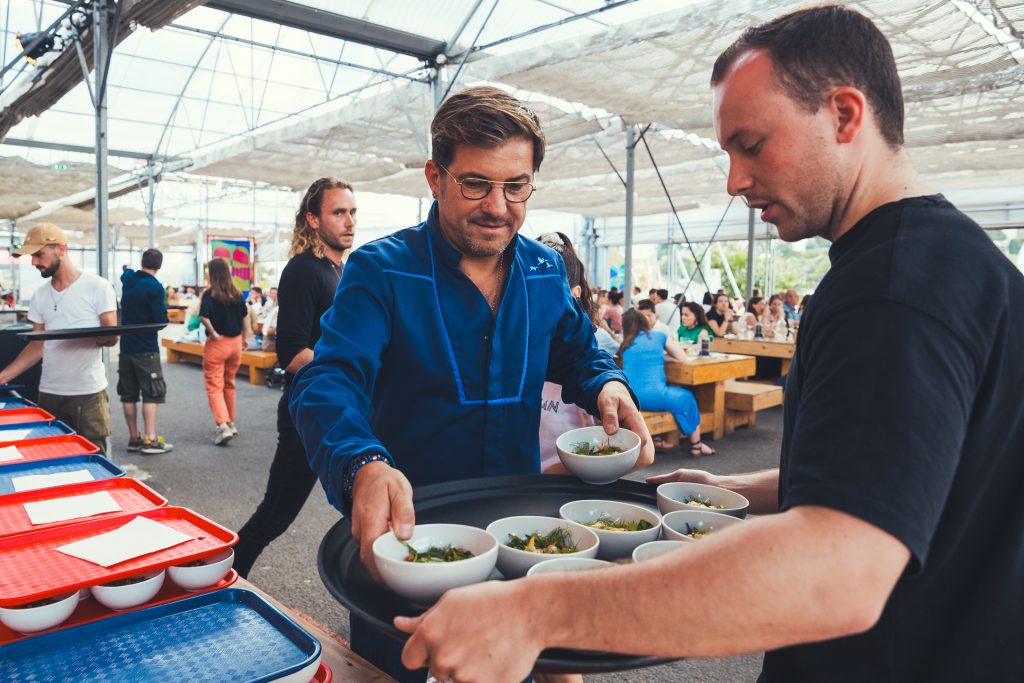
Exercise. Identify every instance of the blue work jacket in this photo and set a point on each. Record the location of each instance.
(413, 364)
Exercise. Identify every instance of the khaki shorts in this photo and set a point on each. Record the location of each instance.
(140, 373)
(89, 414)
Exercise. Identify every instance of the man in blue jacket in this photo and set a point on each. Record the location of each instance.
(138, 367)
(433, 357)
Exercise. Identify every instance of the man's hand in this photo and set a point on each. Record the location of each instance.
(380, 494)
(691, 476)
(616, 406)
(456, 646)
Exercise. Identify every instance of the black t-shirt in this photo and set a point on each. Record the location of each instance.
(903, 408)
(304, 294)
(226, 318)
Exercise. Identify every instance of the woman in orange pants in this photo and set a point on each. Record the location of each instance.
(224, 315)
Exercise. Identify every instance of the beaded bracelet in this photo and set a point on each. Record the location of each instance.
(353, 468)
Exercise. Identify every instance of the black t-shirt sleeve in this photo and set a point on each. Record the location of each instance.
(882, 412)
(297, 295)
(206, 306)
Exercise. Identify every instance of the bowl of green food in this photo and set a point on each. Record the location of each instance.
(437, 558)
(684, 495)
(695, 525)
(528, 540)
(619, 526)
(596, 457)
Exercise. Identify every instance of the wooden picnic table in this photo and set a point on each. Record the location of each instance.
(706, 378)
(764, 348)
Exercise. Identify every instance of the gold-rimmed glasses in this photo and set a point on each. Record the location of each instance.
(477, 188)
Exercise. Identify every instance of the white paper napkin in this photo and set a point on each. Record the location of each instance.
(31, 482)
(14, 434)
(138, 537)
(10, 453)
(72, 507)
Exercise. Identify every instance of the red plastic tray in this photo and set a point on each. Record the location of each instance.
(89, 610)
(18, 415)
(46, 447)
(323, 674)
(131, 494)
(32, 569)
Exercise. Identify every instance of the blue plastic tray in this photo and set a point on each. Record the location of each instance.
(225, 635)
(39, 429)
(9, 402)
(100, 467)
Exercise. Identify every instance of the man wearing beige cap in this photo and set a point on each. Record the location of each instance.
(73, 385)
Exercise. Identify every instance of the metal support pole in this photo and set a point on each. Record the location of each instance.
(750, 254)
(100, 24)
(630, 184)
(150, 205)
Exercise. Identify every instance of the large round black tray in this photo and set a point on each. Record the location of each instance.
(477, 502)
(85, 332)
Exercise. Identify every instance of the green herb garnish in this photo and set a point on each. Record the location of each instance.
(696, 532)
(609, 523)
(447, 553)
(699, 502)
(595, 448)
(558, 541)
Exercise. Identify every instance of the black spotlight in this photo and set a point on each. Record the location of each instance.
(34, 45)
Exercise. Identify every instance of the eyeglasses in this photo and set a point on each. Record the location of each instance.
(478, 188)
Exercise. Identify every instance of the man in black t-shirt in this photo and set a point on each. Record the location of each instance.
(896, 547)
(324, 228)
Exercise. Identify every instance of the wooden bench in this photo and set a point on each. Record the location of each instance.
(258, 362)
(664, 423)
(175, 315)
(744, 399)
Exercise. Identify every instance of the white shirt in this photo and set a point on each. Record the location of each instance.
(557, 418)
(667, 312)
(669, 332)
(72, 367)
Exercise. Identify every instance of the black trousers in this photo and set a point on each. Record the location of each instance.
(288, 487)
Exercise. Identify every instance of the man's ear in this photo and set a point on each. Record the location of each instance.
(313, 220)
(848, 106)
(433, 175)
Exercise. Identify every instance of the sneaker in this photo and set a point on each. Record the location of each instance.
(157, 446)
(223, 434)
(234, 429)
(135, 445)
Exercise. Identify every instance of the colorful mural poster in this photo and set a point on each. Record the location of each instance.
(238, 254)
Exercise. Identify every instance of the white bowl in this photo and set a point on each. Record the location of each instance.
(674, 523)
(567, 564)
(132, 595)
(672, 495)
(33, 619)
(654, 549)
(426, 582)
(598, 469)
(205, 575)
(514, 564)
(614, 544)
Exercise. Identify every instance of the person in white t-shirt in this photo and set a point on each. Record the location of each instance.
(73, 386)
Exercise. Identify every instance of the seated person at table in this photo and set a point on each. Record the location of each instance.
(721, 318)
(693, 321)
(614, 312)
(649, 309)
(755, 312)
(643, 360)
(775, 313)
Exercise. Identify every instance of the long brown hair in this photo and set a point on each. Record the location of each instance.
(633, 323)
(222, 287)
(575, 271)
(304, 237)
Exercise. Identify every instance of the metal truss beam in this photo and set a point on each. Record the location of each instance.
(334, 25)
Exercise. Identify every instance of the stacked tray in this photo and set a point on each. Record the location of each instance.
(98, 466)
(35, 430)
(14, 402)
(17, 416)
(31, 567)
(49, 447)
(223, 635)
(131, 494)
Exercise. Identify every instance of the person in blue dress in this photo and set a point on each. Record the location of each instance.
(643, 354)
(432, 358)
